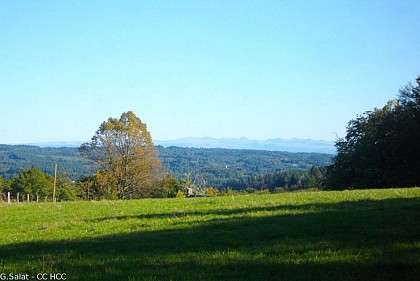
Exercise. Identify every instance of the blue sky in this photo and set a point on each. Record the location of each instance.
(256, 69)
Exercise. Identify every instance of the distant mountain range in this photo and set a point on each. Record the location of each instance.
(56, 144)
(290, 145)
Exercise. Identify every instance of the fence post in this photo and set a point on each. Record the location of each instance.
(37, 197)
(27, 198)
(17, 197)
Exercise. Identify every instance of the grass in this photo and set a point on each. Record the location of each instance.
(348, 235)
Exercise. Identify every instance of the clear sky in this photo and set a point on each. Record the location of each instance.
(256, 69)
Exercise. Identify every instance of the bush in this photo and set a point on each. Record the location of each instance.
(180, 194)
(212, 192)
(229, 192)
(263, 191)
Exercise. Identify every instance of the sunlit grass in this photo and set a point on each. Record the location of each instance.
(348, 235)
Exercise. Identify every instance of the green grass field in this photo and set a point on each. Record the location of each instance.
(347, 235)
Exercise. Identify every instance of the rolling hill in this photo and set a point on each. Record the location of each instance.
(217, 165)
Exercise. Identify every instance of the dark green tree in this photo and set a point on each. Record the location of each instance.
(316, 178)
(87, 187)
(381, 148)
(170, 186)
(67, 190)
(33, 182)
(2, 187)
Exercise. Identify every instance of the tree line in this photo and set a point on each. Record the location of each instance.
(291, 180)
(16, 158)
(36, 183)
(381, 148)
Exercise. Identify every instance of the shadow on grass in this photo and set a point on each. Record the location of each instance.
(362, 240)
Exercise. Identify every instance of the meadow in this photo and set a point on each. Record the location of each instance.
(329, 235)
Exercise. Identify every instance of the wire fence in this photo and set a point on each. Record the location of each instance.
(10, 198)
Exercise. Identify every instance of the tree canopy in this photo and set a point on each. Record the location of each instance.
(128, 160)
(2, 185)
(382, 146)
(34, 182)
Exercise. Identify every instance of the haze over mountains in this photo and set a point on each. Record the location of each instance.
(290, 145)
(278, 144)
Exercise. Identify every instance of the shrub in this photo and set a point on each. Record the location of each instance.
(212, 192)
(180, 194)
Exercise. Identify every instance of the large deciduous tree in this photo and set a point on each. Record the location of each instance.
(126, 155)
(382, 147)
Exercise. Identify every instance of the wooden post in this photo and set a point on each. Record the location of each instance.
(17, 197)
(27, 198)
(55, 182)
(88, 184)
(37, 197)
(8, 197)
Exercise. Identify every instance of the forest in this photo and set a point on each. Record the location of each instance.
(222, 163)
(222, 169)
(236, 168)
(15, 158)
